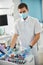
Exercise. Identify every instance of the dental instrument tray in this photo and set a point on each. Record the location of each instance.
(17, 59)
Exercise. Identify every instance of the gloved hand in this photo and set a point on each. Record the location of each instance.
(9, 51)
(25, 52)
(22, 55)
(8, 47)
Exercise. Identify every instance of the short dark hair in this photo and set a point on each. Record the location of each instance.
(21, 5)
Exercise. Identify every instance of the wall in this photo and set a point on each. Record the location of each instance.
(5, 6)
(16, 14)
(42, 9)
(35, 8)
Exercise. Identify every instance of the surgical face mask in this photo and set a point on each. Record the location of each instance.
(24, 15)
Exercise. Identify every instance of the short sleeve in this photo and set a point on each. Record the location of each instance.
(16, 31)
(38, 28)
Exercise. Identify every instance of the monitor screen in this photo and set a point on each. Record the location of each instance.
(3, 20)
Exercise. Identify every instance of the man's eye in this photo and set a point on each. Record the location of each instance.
(23, 11)
(20, 12)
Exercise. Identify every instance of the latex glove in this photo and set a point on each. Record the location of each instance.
(8, 47)
(25, 52)
(9, 51)
(22, 55)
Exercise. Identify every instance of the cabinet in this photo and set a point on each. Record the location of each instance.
(6, 6)
(5, 39)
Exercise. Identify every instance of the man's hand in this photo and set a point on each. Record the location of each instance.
(25, 52)
(9, 52)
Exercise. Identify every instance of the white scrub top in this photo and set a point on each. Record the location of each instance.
(26, 30)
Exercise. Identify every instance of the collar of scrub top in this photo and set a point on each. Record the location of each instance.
(25, 20)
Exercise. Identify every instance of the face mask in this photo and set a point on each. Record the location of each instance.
(24, 15)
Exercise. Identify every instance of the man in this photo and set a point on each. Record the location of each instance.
(27, 30)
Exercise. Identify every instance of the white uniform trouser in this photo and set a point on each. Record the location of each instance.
(35, 53)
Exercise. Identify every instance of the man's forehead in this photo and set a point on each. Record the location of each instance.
(22, 9)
